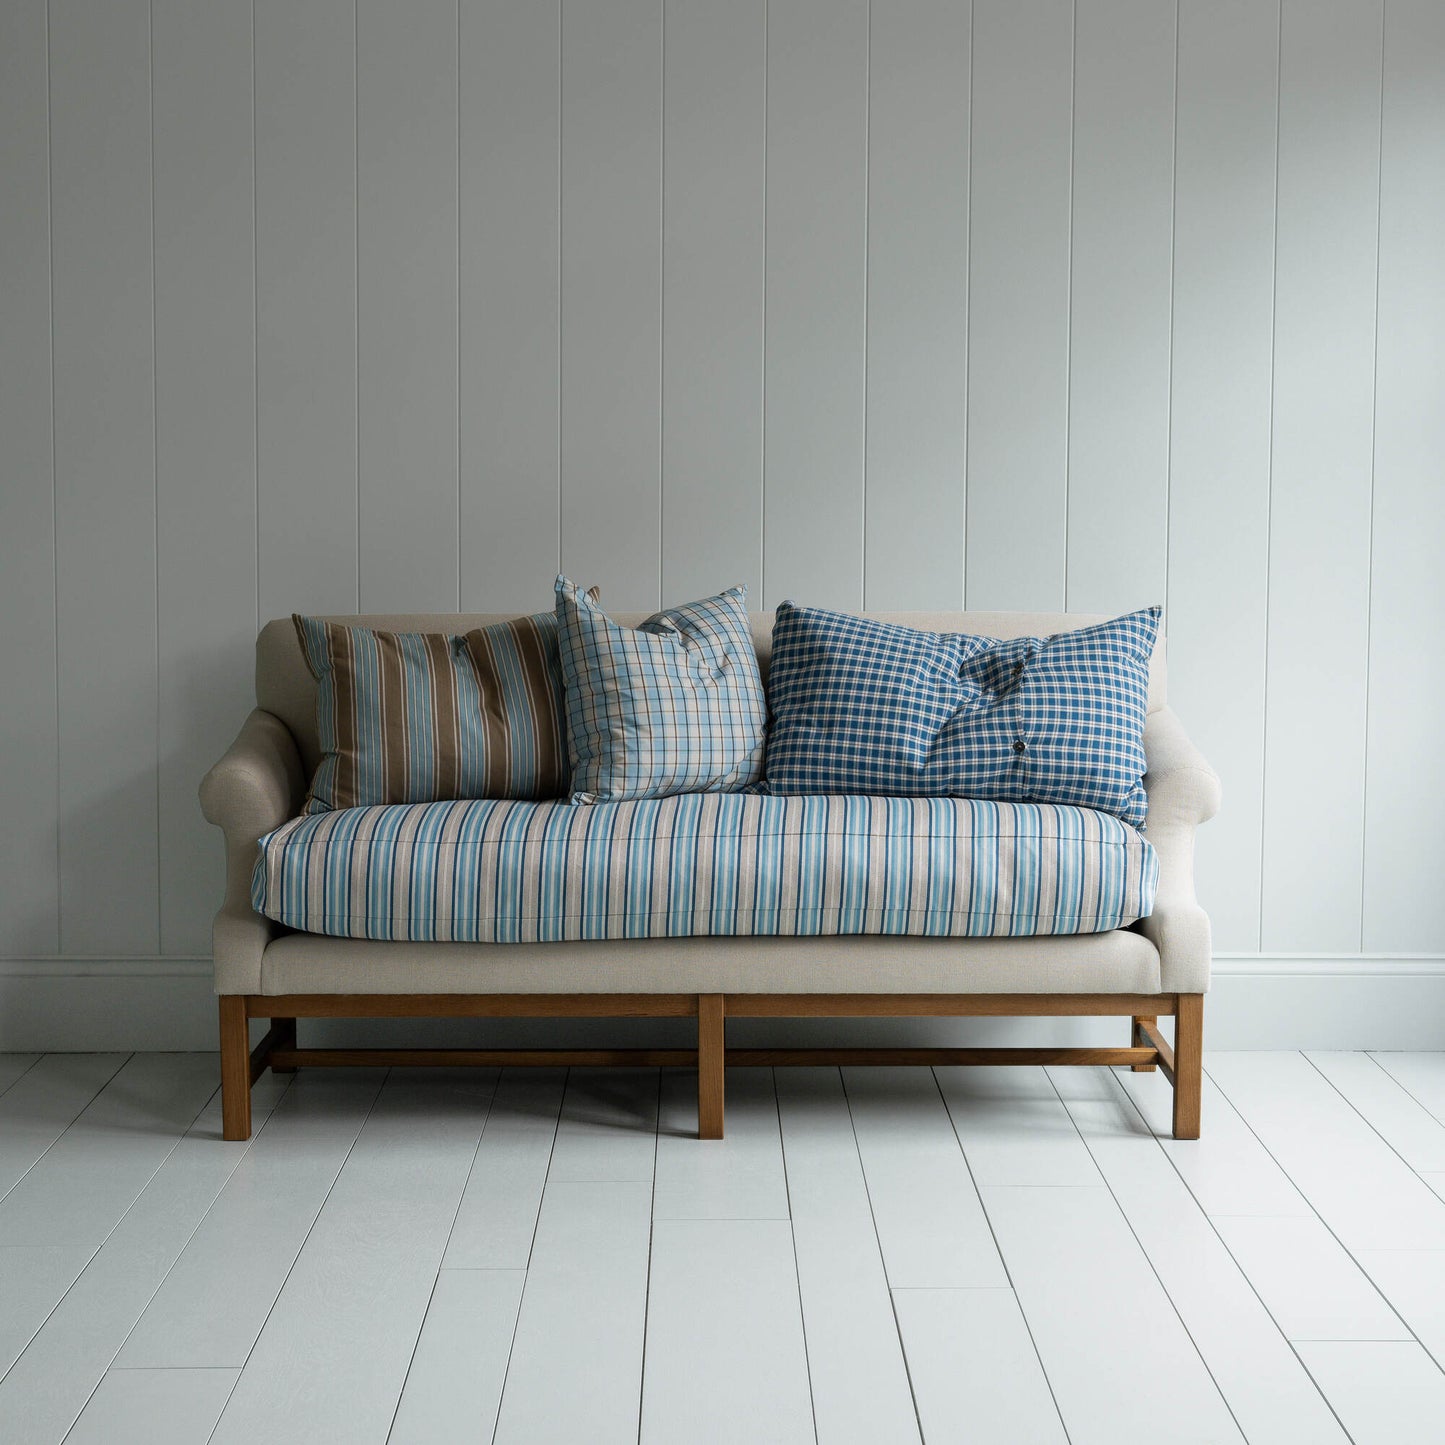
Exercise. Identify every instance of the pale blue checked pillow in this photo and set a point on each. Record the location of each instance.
(673, 706)
(871, 707)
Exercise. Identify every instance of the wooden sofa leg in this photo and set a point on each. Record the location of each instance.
(235, 1068)
(710, 1066)
(1188, 1063)
(1138, 1041)
(285, 1038)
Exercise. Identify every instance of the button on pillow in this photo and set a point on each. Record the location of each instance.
(870, 707)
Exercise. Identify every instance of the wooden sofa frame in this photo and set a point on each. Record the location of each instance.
(241, 1065)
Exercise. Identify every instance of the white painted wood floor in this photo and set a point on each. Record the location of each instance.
(883, 1255)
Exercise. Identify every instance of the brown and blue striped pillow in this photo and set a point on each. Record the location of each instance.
(418, 717)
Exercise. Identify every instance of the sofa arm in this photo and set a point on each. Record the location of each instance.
(258, 785)
(1183, 792)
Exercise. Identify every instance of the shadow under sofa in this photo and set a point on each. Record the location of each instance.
(1158, 967)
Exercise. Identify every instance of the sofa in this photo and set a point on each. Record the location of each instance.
(1156, 967)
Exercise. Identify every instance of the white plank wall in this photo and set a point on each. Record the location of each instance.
(612, 298)
(816, 301)
(917, 356)
(1119, 304)
(321, 305)
(205, 427)
(1219, 408)
(713, 193)
(406, 275)
(103, 338)
(1018, 291)
(510, 157)
(1407, 583)
(1320, 495)
(30, 919)
(306, 343)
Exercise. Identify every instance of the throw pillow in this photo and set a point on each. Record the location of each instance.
(413, 717)
(871, 707)
(673, 706)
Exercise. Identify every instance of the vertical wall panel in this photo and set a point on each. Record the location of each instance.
(1018, 324)
(612, 297)
(1319, 557)
(104, 474)
(1123, 197)
(510, 232)
(1220, 428)
(918, 95)
(1405, 778)
(712, 301)
(815, 383)
(29, 920)
(406, 230)
(306, 306)
(205, 431)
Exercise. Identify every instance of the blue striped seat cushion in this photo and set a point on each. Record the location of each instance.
(501, 871)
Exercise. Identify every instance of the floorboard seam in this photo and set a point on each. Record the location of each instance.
(15, 1184)
(1148, 1259)
(793, 1236)
(882, 1258)
(436, 1276)
(1244, 1273)
(1007, 1272)
(381, 1088)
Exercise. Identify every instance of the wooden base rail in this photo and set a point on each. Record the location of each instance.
(1182, 1064)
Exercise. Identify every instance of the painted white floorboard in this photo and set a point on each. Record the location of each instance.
(211, 1308)
(15, 1066)
(855, 1360)
(1362, 1189)
(1309, 1284)
(931, 1225)
(725, 1358)
(736, 1177)
(1013, 1128)
(975, 1373)
(1080, 1275)
(454, 1386)
(1259, 1375)
(1436, 1182)
(576, 1367)
(93, 1173)
(1406, 1125)
(1384, 1393)
(332, 1359)
(498, 1214)
(40, 1105)
(1423, 1075)
(50, 1383)
(141, 1407)
(1413, 1280)
(33, 1279)
(1227, 1170)
(608, 1129)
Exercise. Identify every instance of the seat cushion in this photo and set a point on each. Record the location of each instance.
(704, 864)
(862, 706)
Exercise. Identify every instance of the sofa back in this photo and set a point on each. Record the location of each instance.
(284, 684)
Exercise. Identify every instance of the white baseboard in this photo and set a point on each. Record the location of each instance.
(1258, 1001)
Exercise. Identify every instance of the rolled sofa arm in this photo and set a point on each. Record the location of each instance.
(1183, 792)
(256, 786)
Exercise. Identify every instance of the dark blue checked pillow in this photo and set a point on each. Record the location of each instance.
(870, 707)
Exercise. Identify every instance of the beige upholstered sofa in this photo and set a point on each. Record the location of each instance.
(1158, 967)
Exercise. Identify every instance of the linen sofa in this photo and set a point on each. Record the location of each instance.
(1157, 967)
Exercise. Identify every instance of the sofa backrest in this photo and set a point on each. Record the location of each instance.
(284, 684)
